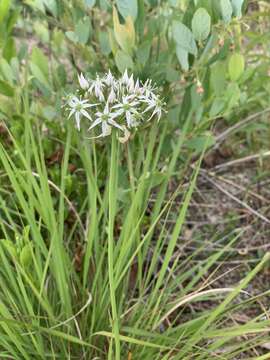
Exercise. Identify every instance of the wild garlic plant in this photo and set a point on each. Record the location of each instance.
(107, 103)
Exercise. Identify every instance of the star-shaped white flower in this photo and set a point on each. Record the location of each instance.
(147, 90)
(106, 119)
(128, 107)
(78, 108)
(154, 104)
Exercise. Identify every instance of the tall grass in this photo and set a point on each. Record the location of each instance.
(131, 297)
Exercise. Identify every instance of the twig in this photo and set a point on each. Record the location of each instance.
(221, 137)
(231, 196)
(242, 160)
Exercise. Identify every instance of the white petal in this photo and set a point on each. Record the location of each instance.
(106, 129)
(106, 110)
(128, 118)
(83, 82)
(125, 78)
(71, 113)
(115, 114)
(78, 119)
(117, 106)
(137, 85)
(85, 106)
(114, 123)
(131, 83)
(109, 79)
(112, 96)
(148, 108)
(99, 95)
(85, 113)
(95, 123)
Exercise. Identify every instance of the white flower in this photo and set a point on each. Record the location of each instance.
(97, 87)
(155, 104)
(109, 79)
(128, 107)
(125, 78)
(123, 103)
(106, 119)
(138, 90)
(77, 107)
(112, 96)
(84, 84)
(131, 84)
(147, 89)
(128, 82)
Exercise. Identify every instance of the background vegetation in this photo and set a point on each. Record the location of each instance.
(153, 249)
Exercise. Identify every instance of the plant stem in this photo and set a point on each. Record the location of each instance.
(112, 208)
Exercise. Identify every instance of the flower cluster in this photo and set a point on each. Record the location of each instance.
(107, 102)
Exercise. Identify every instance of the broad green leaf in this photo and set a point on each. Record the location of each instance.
(39, 75)
(113, 42)
(41, 61)
(103, 4)
(12, 19)
(236, 66)
(9, 51)
(42, 31)
(216, 107)
(184, 37)
(232, 95)
(90, 3)
(171, 74)
(201, 24)
(4, 8)
(206, 4)
(218, 77)
(124, 34)
(127, 8)
(198, 143)
(143, 52)
(15, 65)
(123, 61)
(182, 56)
(6, 89)
(61, 75)
(82, 30)
(226, 10)
(72, 36)
(36, 4)
(237, 7)
(6, 71)
(104, 42)
(52, 6)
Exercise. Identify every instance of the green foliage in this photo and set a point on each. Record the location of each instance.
(90, 230)
(201, 24)
(128, 8)
(236, 66)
